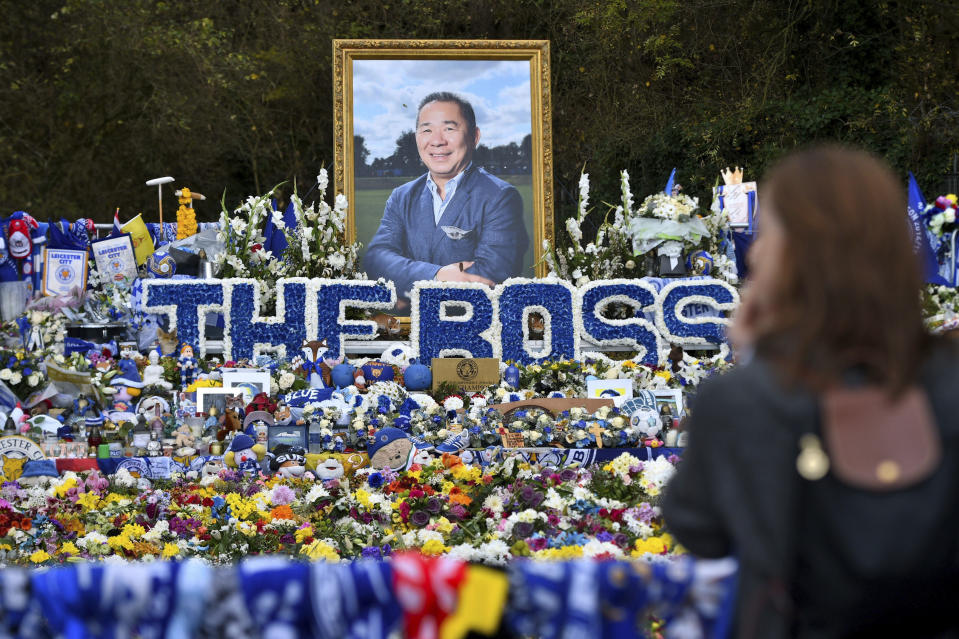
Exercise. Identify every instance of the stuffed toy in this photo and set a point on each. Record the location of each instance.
(288, 461)
(244, 454)
(337, 465)
(390, 448)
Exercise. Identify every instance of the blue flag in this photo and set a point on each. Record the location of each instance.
(669, 183)
(915, 205)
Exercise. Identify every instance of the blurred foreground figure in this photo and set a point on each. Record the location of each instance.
(828, 463)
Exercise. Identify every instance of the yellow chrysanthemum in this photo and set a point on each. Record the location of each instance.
(69, 548)
(320, 550)
(434, 547)
(133, 531)
(170, 550)
(39, 557)
(363, 497)
(303, 533)
(653, 546)
(118, 542)
(559, 554)
(666, 375)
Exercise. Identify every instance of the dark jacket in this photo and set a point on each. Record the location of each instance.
(817, 559)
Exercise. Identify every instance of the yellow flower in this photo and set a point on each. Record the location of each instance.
(444, 526)
(415, 474)
(320, 550)
(653, 545)
(89, 500)
(466, 473)
(434, 547)
(559, 554)
(39, 557)
(133, 531)
(170, 550)
(118, 542)
(303, 533)
(61, 490)
(69, 547)
(447, 486)
(666, 375)
(363, 497)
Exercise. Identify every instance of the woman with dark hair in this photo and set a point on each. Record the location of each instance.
(828, 463)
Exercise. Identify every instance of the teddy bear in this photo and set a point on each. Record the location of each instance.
(288, 461)
(390, 448)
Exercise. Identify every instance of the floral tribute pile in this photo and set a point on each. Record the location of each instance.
(487, 515)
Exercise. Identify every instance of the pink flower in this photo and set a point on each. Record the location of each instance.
(282, 495)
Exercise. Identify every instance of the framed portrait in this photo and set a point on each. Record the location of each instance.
(669, 401)
(443, 149)
(207, 398)
(618, 390)
(248, 381)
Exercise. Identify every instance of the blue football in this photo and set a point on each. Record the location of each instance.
(417, 377)
(161, 264)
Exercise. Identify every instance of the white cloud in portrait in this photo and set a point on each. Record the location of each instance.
(387, 92)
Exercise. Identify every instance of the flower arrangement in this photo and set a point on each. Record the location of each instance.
(315, 247)
(488, 515)
(941, 214)
(608, 255)
(185, 215)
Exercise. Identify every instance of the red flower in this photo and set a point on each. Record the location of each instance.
(256, 247)
(207, 502)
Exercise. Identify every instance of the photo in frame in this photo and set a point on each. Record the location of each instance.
(669, 401)
(490, 139)
(63, 271)
(207, 398)
(248, 381)
(115, 259)
(618, 390)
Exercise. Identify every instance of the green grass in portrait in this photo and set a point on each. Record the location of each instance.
(371, 195)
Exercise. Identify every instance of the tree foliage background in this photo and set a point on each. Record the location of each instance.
(235, 96)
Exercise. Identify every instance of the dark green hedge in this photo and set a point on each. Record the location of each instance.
(98, 96)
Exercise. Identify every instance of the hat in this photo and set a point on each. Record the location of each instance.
(283, 453)
(241, 442)
(383, 437)
(94, 420)
(40, 468)
(128, 375)
(258, 415)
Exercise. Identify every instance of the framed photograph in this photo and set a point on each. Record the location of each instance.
(249, 381)
(740, 202)
(443, 149)
(618, 390)
(64, 271)
(669, 402)
(292, 435)
(115, 258)
(207, 398)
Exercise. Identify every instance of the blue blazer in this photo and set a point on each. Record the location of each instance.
(411, 246)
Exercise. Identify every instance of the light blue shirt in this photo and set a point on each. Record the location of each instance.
(439, 204)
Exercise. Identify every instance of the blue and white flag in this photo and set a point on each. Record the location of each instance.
(670, 183)
(915, 205)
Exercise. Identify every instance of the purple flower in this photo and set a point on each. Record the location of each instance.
(568, 474)
(433, 505)
(604, 536)
(457, 512)
(371, 552)
(419, 519)
(522, 530)
(620, 540)
(282, 495)
(287, 539)
(536, 543)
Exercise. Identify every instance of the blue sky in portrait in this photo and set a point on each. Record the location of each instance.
(387, 92)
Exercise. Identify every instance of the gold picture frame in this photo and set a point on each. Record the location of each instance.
(393, 60)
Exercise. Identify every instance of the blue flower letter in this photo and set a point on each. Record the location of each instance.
(247, 329)
(676, 328)
(448, 321)
(332, 299)
(635, 332)
(180, 300)
(553, 299)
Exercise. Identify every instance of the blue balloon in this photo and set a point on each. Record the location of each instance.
(417, 377)
(511, 376)
(342, 375)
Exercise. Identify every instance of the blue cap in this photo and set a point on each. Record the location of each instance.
(383, 437)
(40, 468)
(241, 442)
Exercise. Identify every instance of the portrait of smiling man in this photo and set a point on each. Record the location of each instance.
(455, 223)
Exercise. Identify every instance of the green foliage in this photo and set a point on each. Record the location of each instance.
(236, 96)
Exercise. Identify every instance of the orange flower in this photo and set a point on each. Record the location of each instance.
(460, 499)
(26, 524)
(282, 512)
(450, 460)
